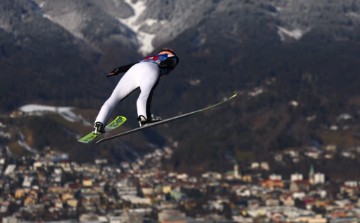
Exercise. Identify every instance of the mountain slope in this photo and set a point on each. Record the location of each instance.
(294, 63)
(32, 48)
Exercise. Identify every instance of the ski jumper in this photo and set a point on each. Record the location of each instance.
(143, 75)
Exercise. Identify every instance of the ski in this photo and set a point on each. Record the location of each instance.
(118, 121)
(166, 120)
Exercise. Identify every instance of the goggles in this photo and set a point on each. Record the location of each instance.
(167, 52)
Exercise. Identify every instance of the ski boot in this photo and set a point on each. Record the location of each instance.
(143, 121)
(99, 128)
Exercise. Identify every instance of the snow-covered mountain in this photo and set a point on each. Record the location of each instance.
(146, 25)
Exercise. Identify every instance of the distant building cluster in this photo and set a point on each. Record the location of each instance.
(50, 187)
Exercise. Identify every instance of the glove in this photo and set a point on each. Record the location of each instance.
(114, 72)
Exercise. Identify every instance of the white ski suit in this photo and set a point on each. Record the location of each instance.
(144, 75)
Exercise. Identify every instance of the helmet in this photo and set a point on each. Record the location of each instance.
(167, 51)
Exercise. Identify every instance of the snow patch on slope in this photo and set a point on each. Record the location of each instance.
(296, 33)
(41, 6)
(145, 39)
(65, 112)
(23, 144)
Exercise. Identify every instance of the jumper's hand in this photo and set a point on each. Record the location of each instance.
(114, 72)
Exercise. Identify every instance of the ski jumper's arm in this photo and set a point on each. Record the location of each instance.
(121, 69)
(164, 63)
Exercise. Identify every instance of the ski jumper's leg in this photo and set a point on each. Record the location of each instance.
(126, 85)
(147, 79)
(148, 103)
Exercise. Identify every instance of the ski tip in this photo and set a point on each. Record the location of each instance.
(233, 96)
